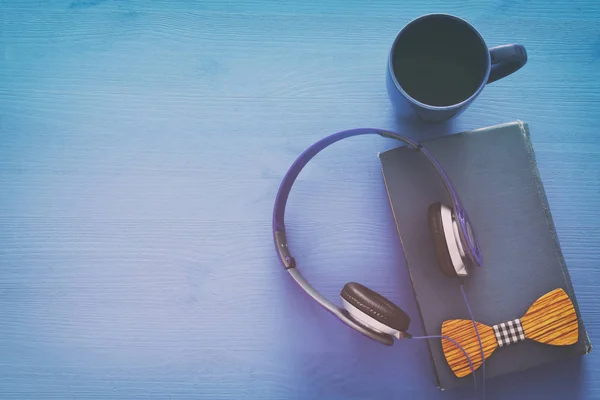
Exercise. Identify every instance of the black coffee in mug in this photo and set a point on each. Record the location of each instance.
(439, 63)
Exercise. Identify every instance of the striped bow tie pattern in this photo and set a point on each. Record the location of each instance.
(551, 320)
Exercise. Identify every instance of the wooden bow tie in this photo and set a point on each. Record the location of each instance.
(551, 319)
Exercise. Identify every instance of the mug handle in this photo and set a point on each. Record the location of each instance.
(506, 59)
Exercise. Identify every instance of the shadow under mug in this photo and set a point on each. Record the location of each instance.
(439, 64)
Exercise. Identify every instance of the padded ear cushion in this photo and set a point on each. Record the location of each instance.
(376, 306)
(434, 217)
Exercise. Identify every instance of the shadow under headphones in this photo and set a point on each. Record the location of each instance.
(368, 312)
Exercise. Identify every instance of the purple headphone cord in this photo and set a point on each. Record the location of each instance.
(462, 289)
(461, 348)
(457, 345)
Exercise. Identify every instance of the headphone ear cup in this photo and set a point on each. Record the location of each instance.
(436, 229)
(375, 306)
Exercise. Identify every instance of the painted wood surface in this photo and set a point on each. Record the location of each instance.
(141, 147)
(551, 320)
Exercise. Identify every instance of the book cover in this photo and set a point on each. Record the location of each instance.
(495, 174)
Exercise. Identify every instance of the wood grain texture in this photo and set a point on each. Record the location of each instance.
(551, 320)
(462, 331)
(141, 147)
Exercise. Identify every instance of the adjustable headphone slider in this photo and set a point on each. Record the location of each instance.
(284, 251)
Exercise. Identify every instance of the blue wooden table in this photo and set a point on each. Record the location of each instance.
(141, 147)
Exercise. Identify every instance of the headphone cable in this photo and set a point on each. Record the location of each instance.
(462, 349)
(462, 289)
(457, 345)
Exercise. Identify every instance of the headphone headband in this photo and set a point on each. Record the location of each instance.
(279, 236)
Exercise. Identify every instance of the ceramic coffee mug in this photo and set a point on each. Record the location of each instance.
(439, 64)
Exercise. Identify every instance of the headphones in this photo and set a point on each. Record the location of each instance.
(365, 310)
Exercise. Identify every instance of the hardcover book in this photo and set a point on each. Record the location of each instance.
(523, 280)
